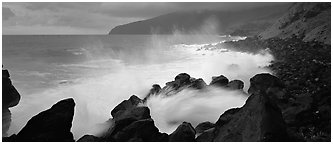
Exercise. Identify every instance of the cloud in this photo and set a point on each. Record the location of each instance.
(96, 16)
(6, 13)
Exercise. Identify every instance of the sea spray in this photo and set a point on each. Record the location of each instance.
(193, 106)
(105, 81)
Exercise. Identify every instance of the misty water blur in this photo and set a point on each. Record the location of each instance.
(100, 74)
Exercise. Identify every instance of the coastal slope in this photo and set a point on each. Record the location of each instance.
(309, 21)
(206, 22)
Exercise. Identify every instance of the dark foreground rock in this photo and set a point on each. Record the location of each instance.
(131, 122)
(184, 133)
(200, 128)
(52, 125)
(260, 119)
(10, 98)
(219, 81)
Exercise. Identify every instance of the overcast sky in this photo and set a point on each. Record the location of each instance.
(92, 18)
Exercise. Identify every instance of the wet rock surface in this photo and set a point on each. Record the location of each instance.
(184, 133)
(219, 81)
(52, 125)
(10, 98)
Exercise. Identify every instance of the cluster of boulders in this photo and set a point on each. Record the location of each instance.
(305, 70)
(260, 119)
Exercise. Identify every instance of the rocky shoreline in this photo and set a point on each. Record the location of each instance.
(293, 105)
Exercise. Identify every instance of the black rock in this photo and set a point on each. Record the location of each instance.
(184, 133)
(235, 85)
(219, 81)
(131, 103)
(198, 83)
(52, 125)
(200, 128)
(259, 119)
(89, 138)
(10, 98)
(141, 131)
(206, 136)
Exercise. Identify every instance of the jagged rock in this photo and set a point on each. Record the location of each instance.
(125, 105)
(206, 136)
(263, 81)
(184, 133)
(89, 138)
(258, 120)
(219, 81)
(235, 85)
(200, 128)
(198, 83)
(52, 125)
(141, 131)
(183, 78)
(10, 98)
(181, 82)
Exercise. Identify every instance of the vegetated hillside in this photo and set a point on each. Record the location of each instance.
(205, 22)
(309, 21)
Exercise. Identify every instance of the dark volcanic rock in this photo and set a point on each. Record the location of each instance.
(258, 120)
(219, 81)
(263, 81)
(235, 85)
(184, 133)
(182, 81)
(200, 128)
(132, 122)
(182, 78)
(206, 136)
(10, 98)
(197, 83)
(52, 125)
(89, 138)
(125, 105)
(141, 131)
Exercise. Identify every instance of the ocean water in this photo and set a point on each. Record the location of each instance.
(100, 71)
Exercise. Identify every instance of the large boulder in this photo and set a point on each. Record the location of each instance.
(126, 105)
(206, 136)
(182, 81)
(197, 83)
(235, 85)
(259, 119)
(184, 133)
(219, 81)
(52, 125)
(200, 128)
(141, 131)
(265, 82)
(89, 138)
(10, 98)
